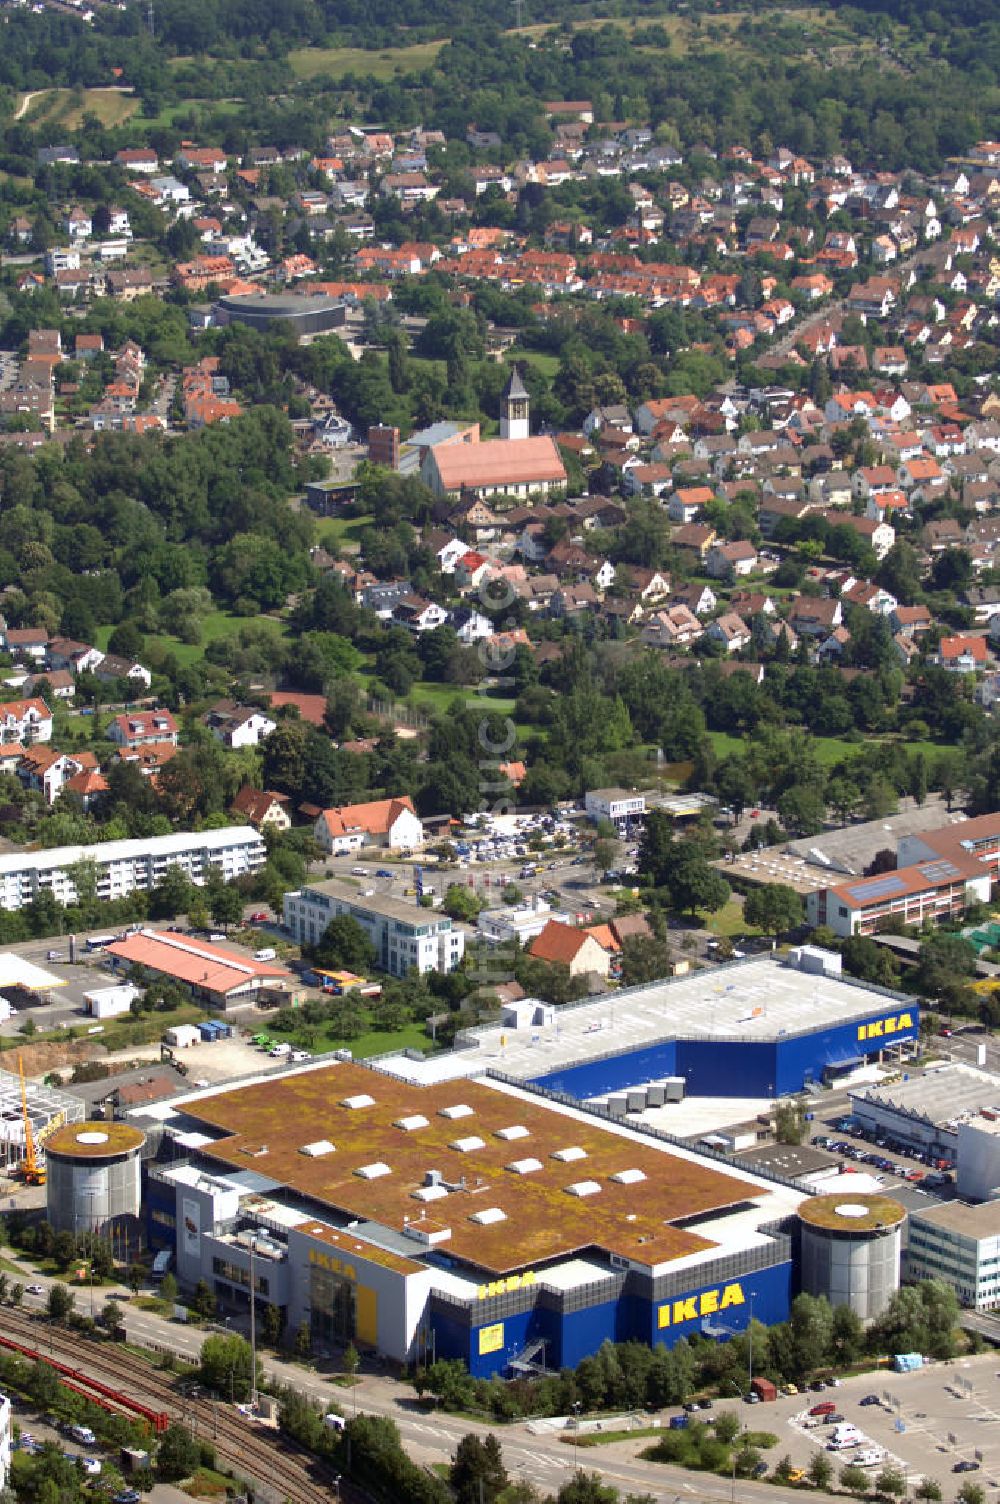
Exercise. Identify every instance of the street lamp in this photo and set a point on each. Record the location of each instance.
(253, 1330)
(750, 1341)
(577, 1407)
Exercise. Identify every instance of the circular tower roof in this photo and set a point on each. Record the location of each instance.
(852, 1214)
(94, 1140)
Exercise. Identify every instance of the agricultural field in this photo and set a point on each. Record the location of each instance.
(67, 107)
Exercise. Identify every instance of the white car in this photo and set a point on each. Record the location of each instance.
(301, 1055)
(91, 1466)
(35, 1289)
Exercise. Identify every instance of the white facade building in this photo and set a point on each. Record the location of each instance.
(501, 926)
(979, 1156)
(5, 1440)
(406, 938)
(961, 1245)
(617, 805)
(124, 866)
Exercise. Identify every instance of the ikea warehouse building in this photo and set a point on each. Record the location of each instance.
(764, 1027)
(469, 1220)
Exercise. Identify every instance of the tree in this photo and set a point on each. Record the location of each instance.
(461, 903)
(351, 1360)
(345, 945)
(136, 1275)
(226, 1365)
(227, 906)
(203, 1301)
(272, 1325)
(789, 1123)
(178, 1454)
(773, 908)
(302, 1346)
(168, 1290)
(644, 959)
(890, 1481)
(820, 1471)
(477, 1473)
(802, 810)
(854, 1479)
(586, 1488)
(971, 1493)
(929, 1489)
(112, 1316)
(60, 1302)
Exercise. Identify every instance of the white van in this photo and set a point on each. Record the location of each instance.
(842, 1443)
(870, 1457)
(845, 1428)
(280, 1049)
(267, 954)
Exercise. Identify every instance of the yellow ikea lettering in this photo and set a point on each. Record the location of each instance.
(690, 1307)
(879, 1027)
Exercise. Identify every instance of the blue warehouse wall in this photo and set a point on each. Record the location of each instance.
(723, 1310)
(719, 1310)
(736, 1068)
(594, 1078)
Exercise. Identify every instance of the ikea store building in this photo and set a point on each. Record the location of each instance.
(471, 1214)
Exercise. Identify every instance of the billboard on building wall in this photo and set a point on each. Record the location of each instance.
(191, 1219)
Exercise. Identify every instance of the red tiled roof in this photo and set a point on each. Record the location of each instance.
(195, 963)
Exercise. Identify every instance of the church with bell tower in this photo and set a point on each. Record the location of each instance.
(515, 423)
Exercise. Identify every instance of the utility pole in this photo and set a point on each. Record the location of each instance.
(519, 13)
(150, 22)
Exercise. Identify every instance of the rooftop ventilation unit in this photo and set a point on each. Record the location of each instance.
(412, 1123)
(460, 1110)
(316, 1150)
(628, 1177)
(583, 1188)
(374, 1171)
(361, 1100)
(430, 1193)
(516, 1130)
(523, 1166)
(433, 1177)
(571, 1155)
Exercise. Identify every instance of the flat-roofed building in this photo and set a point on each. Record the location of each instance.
(959, 1244)
(406, 938)
(223, 977)
(122, 867)
(469, 1219)
(929, 891)
(926, 1111)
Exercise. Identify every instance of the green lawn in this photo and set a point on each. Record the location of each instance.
(411, 1037)
(335, 62)
(216, 624)
(547, 365)
(334, 532)
(441, 696)
(728, 920)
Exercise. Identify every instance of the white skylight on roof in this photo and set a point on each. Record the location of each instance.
(570, 1155)
(412, 1123)
(460, 1110)
(321, 1146)
(373, 1171)
(629, 1177)
(524, 1166)
(583, 1188)
(488, 1216)
(429, 1193)
(467, 1145)
(516, 1130)
(361, 1100)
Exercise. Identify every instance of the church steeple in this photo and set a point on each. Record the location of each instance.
(515, 423)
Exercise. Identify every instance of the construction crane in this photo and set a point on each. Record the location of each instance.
(29, 1170)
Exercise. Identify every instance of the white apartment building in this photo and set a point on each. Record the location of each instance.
(406, 938)
(617, 805)
(25, 722)
(122, 867)
(961, 1245)
(501, 926)
(5, 1440)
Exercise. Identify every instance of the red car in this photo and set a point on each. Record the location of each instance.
(260, 918)
(826, 1408)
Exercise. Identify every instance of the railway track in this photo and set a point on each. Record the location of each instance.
(276, 1467)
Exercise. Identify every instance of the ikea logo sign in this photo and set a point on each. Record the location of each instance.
(708, 1303)
(880, 1028)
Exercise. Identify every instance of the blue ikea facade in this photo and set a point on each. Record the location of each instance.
(720, 1067)
(491, 1334)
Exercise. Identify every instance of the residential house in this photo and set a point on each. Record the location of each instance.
(238, 725)
(676, 626)
(25, 722)
(391, 824)
(563, 945)
(142, 728)
(263, 808)
(727, 561)
(962, 654)
(731, 630)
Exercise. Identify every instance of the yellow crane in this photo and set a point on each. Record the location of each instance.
(29, 1170)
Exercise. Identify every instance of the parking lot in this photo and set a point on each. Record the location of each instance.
(925, 1422)
(884, 1157)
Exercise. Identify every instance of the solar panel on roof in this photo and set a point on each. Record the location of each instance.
(881, 889)
(935, 870)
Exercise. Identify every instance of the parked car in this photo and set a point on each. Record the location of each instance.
(966, 1467)
(870, 1399)
(825, 1407)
